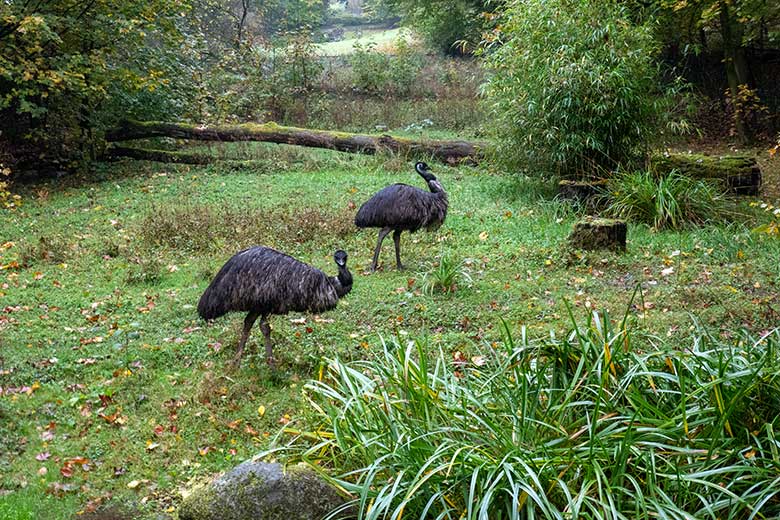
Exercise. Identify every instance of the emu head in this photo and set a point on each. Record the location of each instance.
(340, 257)
(424, 171)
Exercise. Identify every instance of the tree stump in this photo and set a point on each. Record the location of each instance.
(599, 233)
(582, 190)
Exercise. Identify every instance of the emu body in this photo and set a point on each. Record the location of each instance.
(400, 208)
(262, 281)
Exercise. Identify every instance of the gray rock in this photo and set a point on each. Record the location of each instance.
(263, 491)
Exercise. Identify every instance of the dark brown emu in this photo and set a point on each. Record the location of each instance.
(401, 207)
(262, 281)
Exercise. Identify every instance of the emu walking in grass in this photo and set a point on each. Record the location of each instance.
(401, 207)
(262, 281)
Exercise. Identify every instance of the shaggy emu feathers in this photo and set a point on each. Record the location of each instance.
(403, 207)
(400, 208)
(264, 280)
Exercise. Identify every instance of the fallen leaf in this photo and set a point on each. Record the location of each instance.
(67, 470)
(261, 410)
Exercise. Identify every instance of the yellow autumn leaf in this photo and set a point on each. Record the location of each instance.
(261, 410)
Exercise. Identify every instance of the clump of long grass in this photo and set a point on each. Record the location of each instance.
(671, 201)
(445, 276)
(590, 425)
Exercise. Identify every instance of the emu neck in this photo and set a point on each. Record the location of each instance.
(435, 187)
(343, 282)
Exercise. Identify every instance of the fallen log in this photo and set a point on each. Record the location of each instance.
(166, 156)
(739, 174)
(454, 151)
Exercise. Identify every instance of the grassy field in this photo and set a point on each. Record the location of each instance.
(382, 38)
(114, 392)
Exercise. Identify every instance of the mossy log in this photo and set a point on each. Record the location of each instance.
(166, 156)
(454, 151)
(599, 233)
(580, 190)
(740, 174)
(114, 153)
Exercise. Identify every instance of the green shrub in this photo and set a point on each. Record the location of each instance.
(272, 82)
(452, 27)
(593, 424)
(575, 86)
(369, 68)
(376, 73)
(671, 201)
(772, 227)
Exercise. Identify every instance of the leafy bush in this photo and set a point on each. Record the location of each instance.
(452, 27)
(369, 67)
(771, 228)
(575, 86)
(7, 199)
(375, 72)
(61, 65)
(591, 425)
(261, 83)
(670, 201)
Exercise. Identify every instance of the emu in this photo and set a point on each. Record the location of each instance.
(262, 281)
(401, 207)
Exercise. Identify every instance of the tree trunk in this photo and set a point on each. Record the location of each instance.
(355, 7)
(448, 151)
(241, 22)
(736, 66)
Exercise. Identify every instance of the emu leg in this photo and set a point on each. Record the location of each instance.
(397, 240)
(269, 351)
(248, 322)
(382, 234)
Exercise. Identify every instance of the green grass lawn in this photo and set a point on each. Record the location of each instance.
(115, 392)
(381, 37)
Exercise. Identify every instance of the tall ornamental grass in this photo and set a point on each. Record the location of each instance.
(672, 201)
(575, 86)
(599, 424)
